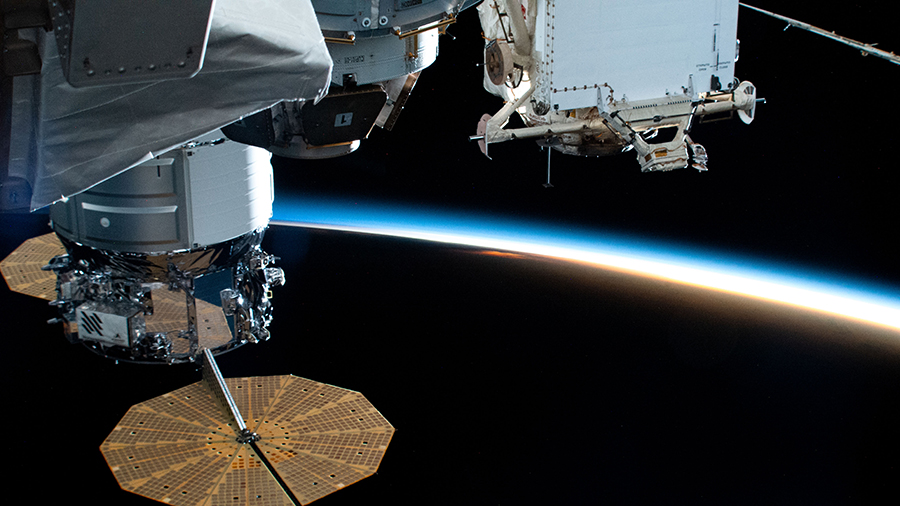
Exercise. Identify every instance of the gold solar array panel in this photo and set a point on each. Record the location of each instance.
(22, 268)
(179, 448)
(170, 314)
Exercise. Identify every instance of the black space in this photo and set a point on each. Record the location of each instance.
(527, 380)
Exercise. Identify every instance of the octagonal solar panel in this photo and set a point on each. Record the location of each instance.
(181, 448)
(22, 268)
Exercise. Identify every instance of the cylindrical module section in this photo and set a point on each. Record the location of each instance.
(204, 193)
(378, 59)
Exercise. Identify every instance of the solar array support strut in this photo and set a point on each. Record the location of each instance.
(216, 383)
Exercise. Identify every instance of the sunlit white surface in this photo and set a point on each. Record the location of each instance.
(639, 257)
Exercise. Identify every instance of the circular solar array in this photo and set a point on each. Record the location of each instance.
(22, 268)
(181, 448)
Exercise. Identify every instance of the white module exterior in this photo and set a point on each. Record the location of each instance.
(191, 197)
(231, 191)
(639, 49)
(384, 58)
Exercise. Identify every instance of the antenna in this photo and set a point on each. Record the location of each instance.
(547, 184)
(866, 49)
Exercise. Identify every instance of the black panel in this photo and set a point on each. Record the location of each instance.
(255, 130)
(343, 116)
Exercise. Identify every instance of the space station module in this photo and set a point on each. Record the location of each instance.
(597, 78)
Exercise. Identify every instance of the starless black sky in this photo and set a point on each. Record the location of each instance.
(516, 381)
